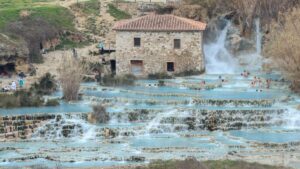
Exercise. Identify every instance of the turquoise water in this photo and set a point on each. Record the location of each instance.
(163, 131)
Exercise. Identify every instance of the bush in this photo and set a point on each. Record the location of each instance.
(126, 80)
(52, 102)
(46, 85)
(189, 73)
(20, 98)
(159, 76)
(28, 99)
(99, 115)
(161, 83)
(8, 101)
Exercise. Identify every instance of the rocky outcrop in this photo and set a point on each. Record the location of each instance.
(195, 12)
(12, 48)
(235, 42)
(13, 51)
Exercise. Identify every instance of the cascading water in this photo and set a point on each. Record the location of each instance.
(218, 58)
(220, 61)
(65, 127)
(253, 61)
(258, 37)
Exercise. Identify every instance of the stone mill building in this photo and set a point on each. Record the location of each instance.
(158, 44)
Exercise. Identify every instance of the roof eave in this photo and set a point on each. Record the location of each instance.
(148, 30)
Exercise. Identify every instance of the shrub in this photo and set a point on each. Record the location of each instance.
(28, 99)
(126, 80)
(8, 101)
(46, 85)
(189, 73)
(20, 98)
(52, 102)
(161, 83)
(159, 76)
(99, 115)
(133, 116)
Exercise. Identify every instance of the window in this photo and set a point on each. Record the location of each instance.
(170, 66)
(137, 42)
(177, 44)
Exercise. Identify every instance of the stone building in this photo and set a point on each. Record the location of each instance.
(158, 44)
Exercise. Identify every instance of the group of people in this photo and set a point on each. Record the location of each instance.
(13, 85)
(221, 82)
(245, 74)
(259, 82)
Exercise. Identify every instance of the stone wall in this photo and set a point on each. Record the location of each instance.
(157, 48)
(21, 126)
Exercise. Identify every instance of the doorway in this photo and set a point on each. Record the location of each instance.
(113, 66)
(170, 66)
(136, 67)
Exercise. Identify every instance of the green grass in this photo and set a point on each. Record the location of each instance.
(68, 44)
(19, 3)
(117, 13)
(58, 16)
(91, 7)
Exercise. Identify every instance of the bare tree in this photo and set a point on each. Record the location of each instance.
(70, 76)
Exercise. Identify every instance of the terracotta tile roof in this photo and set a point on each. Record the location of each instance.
(155, 22)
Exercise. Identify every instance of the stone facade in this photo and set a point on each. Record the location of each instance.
(157, 49)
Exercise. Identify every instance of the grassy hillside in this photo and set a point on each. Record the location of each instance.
(34, 21)
(10, 11)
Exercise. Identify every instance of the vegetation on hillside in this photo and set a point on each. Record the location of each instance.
(283, 46)
(91, 7)
(117, 13)
(34, 23)
(51, 14)
(244, 12)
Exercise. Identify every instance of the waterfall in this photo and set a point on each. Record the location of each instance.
(258, 37)
(218, 58)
